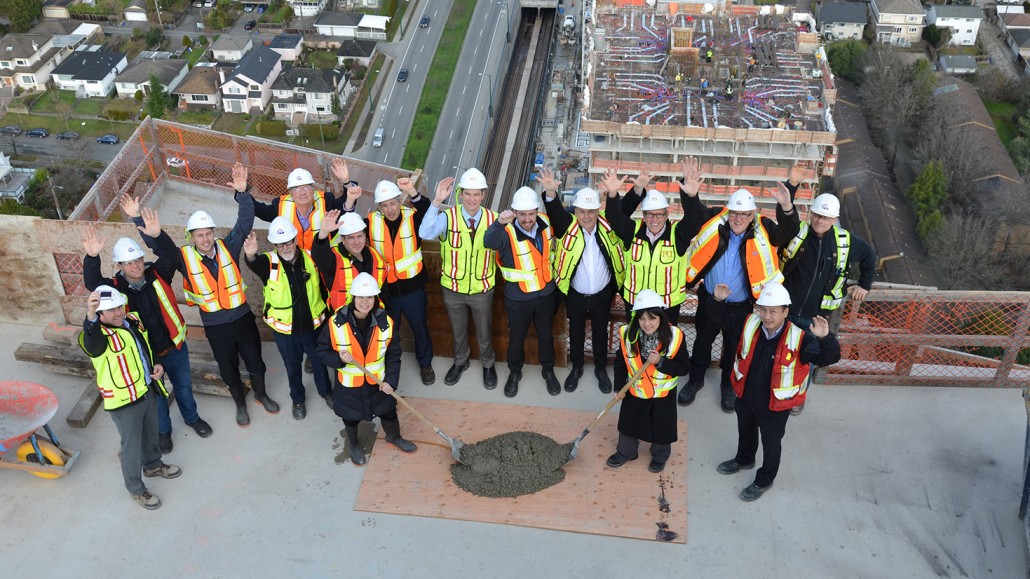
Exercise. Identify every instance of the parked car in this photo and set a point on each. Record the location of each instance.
(39, 133)
(68, 136)
(424, 22)
(11, 130)
(250, 25)
(402, 75)
(108, 140)
(248, 7)
(176, 162)
(261, 8)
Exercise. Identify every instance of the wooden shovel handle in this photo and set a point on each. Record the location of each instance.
(633, 380)
(371, 378)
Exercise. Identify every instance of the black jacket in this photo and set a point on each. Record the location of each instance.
(812, 272)
(617, 211)
(297, 278)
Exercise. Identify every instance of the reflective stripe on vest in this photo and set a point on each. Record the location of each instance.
(835, 297)
(652, 383)
(288, 209)
(278, 312)
(759, 256)
(467, 266)
(343, 339)
(121, 376)
(403, 254)
(345, 272)
(661, 270)
(531, 268)
(789, 380)
(202, 289)
(170, 311)
(572, 245)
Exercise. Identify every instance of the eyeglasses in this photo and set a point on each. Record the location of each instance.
(655, 216)
(817, 217)
(285, 243)
(742, 216)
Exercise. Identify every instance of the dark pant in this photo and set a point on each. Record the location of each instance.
(771, 426)
(292, 348)
(539, 311)
(232, 341)
(387, 417)
(177, 369)
(707, 325)
(672, 314)
(598, 307)
(414, 306)
(627, 448)
(137, 428)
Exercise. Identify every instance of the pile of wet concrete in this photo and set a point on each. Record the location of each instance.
(511, 464)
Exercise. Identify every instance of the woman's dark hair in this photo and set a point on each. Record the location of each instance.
(664, 329)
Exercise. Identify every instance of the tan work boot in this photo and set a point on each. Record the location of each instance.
(147, 500)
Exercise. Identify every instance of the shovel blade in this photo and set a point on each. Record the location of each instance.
(456, 446)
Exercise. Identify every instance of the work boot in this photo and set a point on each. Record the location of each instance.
(731, 466)
(553, 387)
(147, 500)
(242, 418)
(257, 382)
(603, 382)
(307, 366)
(729, 398)
(163, 470)
(428, 375)
(201, 427)
(797, 410)
(572, 381)
(489, 378)
(357, 455)
(328, 400)
(753, 492)
(511, 387)
(656, 467)
(393, 436)
(164, 442)
(299, 411)
(454, 374)
(616, 460)
(688, 393)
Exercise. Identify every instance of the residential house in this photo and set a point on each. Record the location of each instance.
(1009, 6)
(1013, 21)
(842, 20)
(169, 72)
(199, 88)
(352, 25)
(360, 51)
(249, 85)
(27, 60)
(956, 64)
(289, 46)
(897, 22)
(302, 95)
(57, 8)
(89, 71)
(358, 3)
(964, 21)
(1018, 40)
(307, 7)
(135, 12)
(229, 48)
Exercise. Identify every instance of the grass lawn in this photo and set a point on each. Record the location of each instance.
(195, 54)
(90, 106)
(51, 101)
(197, 118)
(90, 128)
(1001, 114)
(232, 123)
(322, 59)
(361, 98)
(967, 50)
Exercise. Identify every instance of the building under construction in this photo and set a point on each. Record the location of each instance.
(746, 89)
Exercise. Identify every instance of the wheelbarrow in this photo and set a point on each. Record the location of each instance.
(25, 408)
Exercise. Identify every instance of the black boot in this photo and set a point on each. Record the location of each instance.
(572, 381)
(603, 382)
(511, 387)
(257, 383)
(393, 436)
(238, 396)
(357, 455)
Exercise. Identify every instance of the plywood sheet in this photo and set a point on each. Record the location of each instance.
(624, 502)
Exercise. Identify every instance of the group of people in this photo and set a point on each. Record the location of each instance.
(337, 284)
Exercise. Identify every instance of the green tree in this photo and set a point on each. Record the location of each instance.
(187, 42)
(139, 95)
(202, 40)
(159, 100)
(845, 57)
(11, 207)
(1019, 149)
(927, 195)
(153, 37)
(21, 13)
(936, 37)
(335, 106)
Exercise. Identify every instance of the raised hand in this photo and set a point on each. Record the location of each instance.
(692, 178)
(443, 191)
(330, 223)
(250, 245)
(152, 226)
(795, 174)
(129, 205)
(405, 185)
(506, 216)
(782, 196)
(353, 194)
(548, 180)
(340, 170)
(92, 303)
(239, 177)
(643, 179)
(612, 182)
(91, 243)
(820, 327)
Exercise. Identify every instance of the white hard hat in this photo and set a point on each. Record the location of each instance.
(281, 230)
(387, 190)
(587, 198)
(472, 179)
(299, 177)
(126, 250)
(525, 199)
(110, 298)
(351, 223)
(741, 200)
(774, 294)
(364, 285)
(200, 220)
(826, 205)
(654, 201)
(648, 299)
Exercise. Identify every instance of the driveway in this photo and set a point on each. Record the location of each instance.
(992, 41)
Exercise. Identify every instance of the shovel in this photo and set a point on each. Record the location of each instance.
(633, 380)
(456, 444)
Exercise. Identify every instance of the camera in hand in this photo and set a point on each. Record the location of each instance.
(105, 294)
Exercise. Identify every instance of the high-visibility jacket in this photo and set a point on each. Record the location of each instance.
(760, 261)
(121, 374)
(279, 298)
(403, 253)
(288, 209)
(203, 290)
(835, 297)
(572, 245)
(531, 267)
(346, 271)
(789, 381)
(170, 314)
(468, 267)
(652, 383)
(374, 360)
(661, 269)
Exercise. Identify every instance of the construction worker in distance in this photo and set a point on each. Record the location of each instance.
(127, 372)
(815, 266)
(735, 246)
(304, 205)
(294, 306)
(468, 271)
(348, 255)
(211, 280)
(770, 376)
(360, 337)
(589, 269)
(524, 242)
(147, 286)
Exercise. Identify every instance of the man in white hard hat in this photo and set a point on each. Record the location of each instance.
(816, 263)
(129, 380)
(148, 289)
(736, 246)
(589, 269)
(771, 370)
(294, 306)
(348, 255)
(524, 242)
(468, 271)
(304, 205)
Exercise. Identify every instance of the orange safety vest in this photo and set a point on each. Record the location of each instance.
(759, 255)
(789, 381)
(202, 289)
(403, 253)
(170, 311)
(288, 209)
(343, 339)
(345, 272)
(531, 268)
(652, 383)
(467, 266)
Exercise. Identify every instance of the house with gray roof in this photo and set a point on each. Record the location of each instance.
(169, 73)
(963, 21)
(27, 60)
(249, 85)
(358, 50)
(89, 71)
(230, 48)
(898, 22)
(303, 95)
(289, 46)
(842, 20)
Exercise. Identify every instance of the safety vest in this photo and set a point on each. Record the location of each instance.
(170, 313)
(661, 269)
(468, 267)
(288, 209)
(121, 375)
(789, 381)
(652, 383)
(835, 297)
(279, 297)
(203, 290)
(573, 244)
(346, 270)
(403, 253)
(531, 267)
(343, 340)
(759, 256)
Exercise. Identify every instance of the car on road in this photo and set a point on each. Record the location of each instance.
(38, 133)
(176, 162)
(108, 140)
(402, 75)
(67, 136)
(250, 25)
(248, 7)
(377, 138)
(424, 22)
(11, 130)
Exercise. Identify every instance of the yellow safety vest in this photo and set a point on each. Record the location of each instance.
(762, 267)
(572, 245)
(121, 376)
(203, 290)
(835, 297)
(279, 300)
(468, 267)
(288, 209)
(661, 270)
(789, 380)
(343, 339)
(652, 383)
(403, 253)
(531, 268)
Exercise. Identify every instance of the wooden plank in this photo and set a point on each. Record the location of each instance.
(85, 407)
(624, 502)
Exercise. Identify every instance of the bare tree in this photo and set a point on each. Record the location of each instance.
(965, 247)
(959, 146)
(894, 94)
